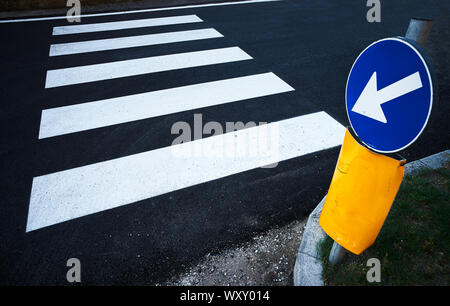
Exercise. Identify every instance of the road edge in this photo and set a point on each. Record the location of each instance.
(112, 8)
(308, 265)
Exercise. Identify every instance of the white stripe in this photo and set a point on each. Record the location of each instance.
(120, 25)
(131, 41)
(81, 191)
(112, 70)
(85, 116)
(138, 11)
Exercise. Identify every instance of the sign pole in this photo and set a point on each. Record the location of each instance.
(337, 253)
(418, 31)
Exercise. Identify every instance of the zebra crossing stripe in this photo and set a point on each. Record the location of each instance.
(91, 115)
(77, 192)
(127, 24)
(119, 69)
(131, 41)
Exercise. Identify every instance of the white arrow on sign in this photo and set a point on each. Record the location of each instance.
(370, 100)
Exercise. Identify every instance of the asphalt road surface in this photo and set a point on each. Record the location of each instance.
(88, 169)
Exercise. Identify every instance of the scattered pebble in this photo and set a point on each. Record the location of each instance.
(267, 259)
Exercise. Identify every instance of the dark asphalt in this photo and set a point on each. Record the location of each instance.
(309, 44)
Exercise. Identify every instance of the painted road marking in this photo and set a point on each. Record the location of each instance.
(112, 70)
(139, 11)
(91, 115)
(121, 25)
(131, 41)
(73, 193)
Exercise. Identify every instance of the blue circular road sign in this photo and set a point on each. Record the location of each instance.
(389, 95)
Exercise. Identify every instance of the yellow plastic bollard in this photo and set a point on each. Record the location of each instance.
(362, 190)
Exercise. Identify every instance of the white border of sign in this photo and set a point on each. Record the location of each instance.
(431, 92)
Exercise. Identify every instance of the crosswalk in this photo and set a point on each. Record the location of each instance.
(131, 41)
(95, 114)
(120, 69)
(122, 25)
(77, 192)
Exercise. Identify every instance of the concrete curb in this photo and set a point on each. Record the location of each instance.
(308, 265)
(431, 162)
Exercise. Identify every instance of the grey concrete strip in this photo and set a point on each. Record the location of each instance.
(432, 162)
(308, 265)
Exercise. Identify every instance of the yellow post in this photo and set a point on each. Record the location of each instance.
(361, 193)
